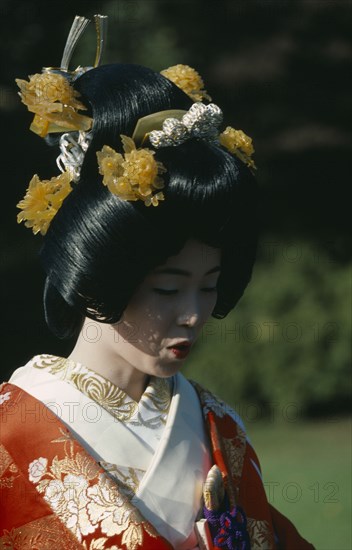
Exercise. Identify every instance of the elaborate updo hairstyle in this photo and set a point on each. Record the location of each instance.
(99, 248)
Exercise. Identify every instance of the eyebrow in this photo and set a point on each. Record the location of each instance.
(177, 271)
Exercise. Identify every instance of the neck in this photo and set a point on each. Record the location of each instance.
(94, 350)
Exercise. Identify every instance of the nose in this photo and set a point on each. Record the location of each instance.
(188, 319)
(189, 311)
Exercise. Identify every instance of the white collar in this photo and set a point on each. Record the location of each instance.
(151, 411)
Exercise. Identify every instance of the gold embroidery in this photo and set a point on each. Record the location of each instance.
(211, 402)
(7, 467)
(41, 534)
(5, 459)
(92, 384)
(115, 515)
(106, 394)
(85, 499)
(67, 439)
(53, 363)
(127, 478)
(156, 399)
(235, 449)
(99, 544)
(7, 482)
(96, 544)
(151, 411)
(259, 534)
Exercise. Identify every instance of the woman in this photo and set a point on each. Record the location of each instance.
(150, 229)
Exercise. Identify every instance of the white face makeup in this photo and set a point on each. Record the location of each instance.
(162, 321)
(168, 310)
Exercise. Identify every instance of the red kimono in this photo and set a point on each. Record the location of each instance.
(54, 495)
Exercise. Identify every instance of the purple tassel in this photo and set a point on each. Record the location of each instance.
(229, 529)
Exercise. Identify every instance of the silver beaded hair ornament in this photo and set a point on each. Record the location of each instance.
(200, 121)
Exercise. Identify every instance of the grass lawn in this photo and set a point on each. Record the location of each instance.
(307, 472)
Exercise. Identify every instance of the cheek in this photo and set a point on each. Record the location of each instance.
(145, 323)
(208, 305)
(205, 312)
(151, 310)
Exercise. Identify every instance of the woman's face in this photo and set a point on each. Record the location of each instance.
(168, 310)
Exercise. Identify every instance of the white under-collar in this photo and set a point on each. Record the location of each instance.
(150, 411)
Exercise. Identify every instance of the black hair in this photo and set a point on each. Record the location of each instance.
(99, 248)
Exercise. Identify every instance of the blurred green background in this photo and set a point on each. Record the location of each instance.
(279, 70)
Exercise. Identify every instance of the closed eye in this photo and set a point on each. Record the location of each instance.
(170, 292)
(165, 292)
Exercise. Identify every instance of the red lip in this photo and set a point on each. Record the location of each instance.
(180, 343)
(180, 353)
(181, 349)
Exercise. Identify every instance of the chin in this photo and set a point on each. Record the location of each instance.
(166, 370)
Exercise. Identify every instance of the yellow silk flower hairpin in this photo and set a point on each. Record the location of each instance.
(134, 175)
(55, 104)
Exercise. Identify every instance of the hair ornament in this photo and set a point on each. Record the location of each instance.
(154, 122)
(50, 96)
(54, 103)
(73, 147)
(187, 78)
(42, 201)
(190, 81)
(134, 175)
(200, 121)
(239, 144)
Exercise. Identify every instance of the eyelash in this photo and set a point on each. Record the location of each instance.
(164, 292)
